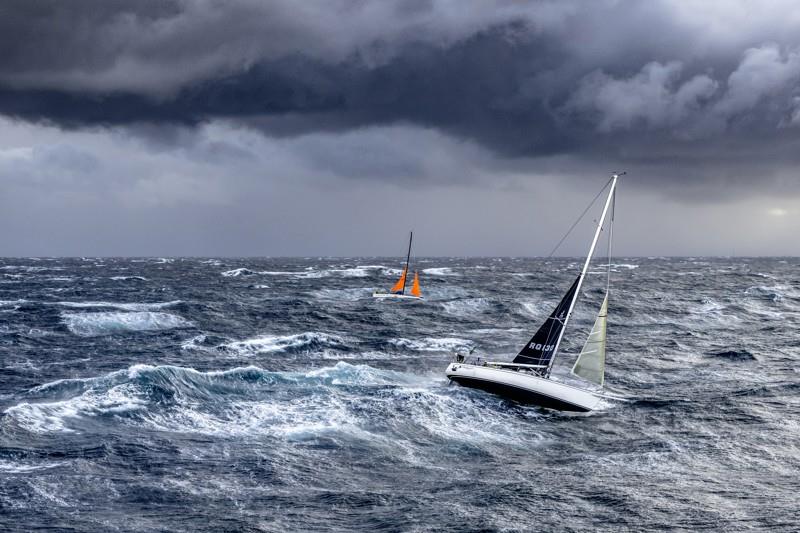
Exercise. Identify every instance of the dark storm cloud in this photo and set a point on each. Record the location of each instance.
(697, 84)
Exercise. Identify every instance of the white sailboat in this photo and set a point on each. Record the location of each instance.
(398, 291)
(527, 377)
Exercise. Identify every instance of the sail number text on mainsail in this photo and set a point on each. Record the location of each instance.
(544, 348)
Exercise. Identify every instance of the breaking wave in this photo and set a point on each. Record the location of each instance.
(301, 342)
(236, 272)
(251, 401)
(110, 323)
(432, 344)
(184, 399)
(345, 411)
(774, 293)
(133, 306)
(24, 467)
(442, 271)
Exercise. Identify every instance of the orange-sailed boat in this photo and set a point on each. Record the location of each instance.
(398, 291)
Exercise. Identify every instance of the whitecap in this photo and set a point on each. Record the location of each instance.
(432, 344)
(357, 272)
(309, 274)
(372, 267)
(535, 309)
(10, 467)
(236, 272)
(195, 343)
(132, 306)
(110, 323)
(440, 271)
(281, 343)
(466, 307)
(46, 417)
(776, 293)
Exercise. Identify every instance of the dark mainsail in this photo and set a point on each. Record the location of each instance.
(539, 350)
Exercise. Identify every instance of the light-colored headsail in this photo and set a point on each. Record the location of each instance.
(592, 361)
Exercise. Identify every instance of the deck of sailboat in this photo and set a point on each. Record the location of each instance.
(523, 387)
(395, 296)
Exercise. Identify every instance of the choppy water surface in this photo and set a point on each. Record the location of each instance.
(276, 395)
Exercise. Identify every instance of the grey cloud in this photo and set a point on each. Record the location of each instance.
(676, 90)
(653, 98)
(765, 72)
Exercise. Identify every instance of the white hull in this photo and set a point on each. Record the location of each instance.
(523, 386)
(392, 296)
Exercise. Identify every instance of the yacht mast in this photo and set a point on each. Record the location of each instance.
(585, 269)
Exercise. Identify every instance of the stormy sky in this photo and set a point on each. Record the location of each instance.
(281, 128)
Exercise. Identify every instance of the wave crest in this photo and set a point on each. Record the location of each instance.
(110, 323)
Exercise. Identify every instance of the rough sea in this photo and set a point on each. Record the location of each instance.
(277, 395)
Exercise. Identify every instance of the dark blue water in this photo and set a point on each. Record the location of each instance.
(276, 395)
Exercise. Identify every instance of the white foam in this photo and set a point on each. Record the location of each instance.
(280, 343)
(776, 293)
(22, 468)
(47, 417)
(372, 267)
(535, 309)
(431, 344)
(26, 268)
(309, 274)
(236, 272)
(8, 303)
(195, 343)
(466, 307)
(411, 407)
(133, 306)
(128, 278)
(440, 271)
(109, 323)
(357, 272)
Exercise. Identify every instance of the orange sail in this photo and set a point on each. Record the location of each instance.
(401, 283)
(415, 286)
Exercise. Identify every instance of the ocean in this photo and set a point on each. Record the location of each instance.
(162, 394)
